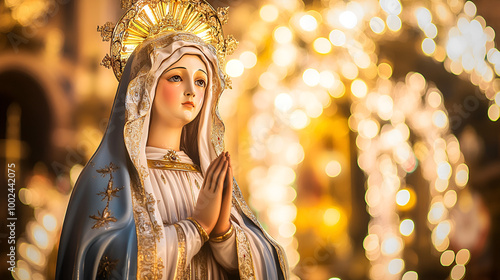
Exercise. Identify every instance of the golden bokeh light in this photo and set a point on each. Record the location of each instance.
(396, 266)
(463, 257)
(337, 37)
(384, 70)
(447, 258)
(269, 13)
(333, 168)
(359, 88)
(234, 68)
(410, 275)
(283, 35)
(249, 59)
(377, 25)
(406, 227)
(322, 45)
(308, 22)
(311, 77)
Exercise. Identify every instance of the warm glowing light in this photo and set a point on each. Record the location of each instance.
(447, 258)
(311, 77)
(410, 275)
(385, 107)
(470, 9)
(393, 23)
(294, 153)
(249, 59)
(74, 172)
(436, 212)
(234, 68)
(314, 108)
(370, 243)
(269, 13)
(457, 272)
(284, 55)
(403, 197)
(283, 35)
(462, 175)
(431, 31)
(34, 255)
(368, 128)
(327, 79)
(331, 217)
(359, 88)
(287, 229)
(49, 222)
(439, 119)
(391, 245)
(392, 7)
(463, 257)
(444, 170)
(337, 37)
(434, 99)
(338, 89)
(494, 112)
(308, 23)
(41, 236)
(442, 230)
(322, 45)
(298, 119)
(396, 266)
(333, 168)
(428, 46)
(450, 198)
(348, 19)
(384, 70)
(424, 17)
(377, 25)
(349, 70)
(406, 227)
(283, 102)
(26, 196)
(23, 274)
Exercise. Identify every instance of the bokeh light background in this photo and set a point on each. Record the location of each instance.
(364, 132)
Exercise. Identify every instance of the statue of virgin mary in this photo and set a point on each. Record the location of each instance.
(144, 208)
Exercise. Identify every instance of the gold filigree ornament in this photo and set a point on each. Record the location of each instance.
(147, 18)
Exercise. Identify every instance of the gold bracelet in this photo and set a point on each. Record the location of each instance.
(201, 230)
(225, 236)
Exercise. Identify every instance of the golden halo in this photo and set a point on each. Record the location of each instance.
(147, 18)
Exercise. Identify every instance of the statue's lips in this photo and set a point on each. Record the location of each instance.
(188, 103)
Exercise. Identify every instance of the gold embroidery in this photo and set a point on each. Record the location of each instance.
(171, 155)
(224, 236)
(170, 165)
(203, 233)
(200, 264)
(163, 178)
(149, 266)
(181, 253)
(203, 262)
(245, 262)
(106, 266)
(104, 218)
(240, 204)
(195, 17)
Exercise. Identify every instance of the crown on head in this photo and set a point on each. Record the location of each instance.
(147, 18)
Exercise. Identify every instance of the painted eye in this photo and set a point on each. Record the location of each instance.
(175, 78)
(200, 83)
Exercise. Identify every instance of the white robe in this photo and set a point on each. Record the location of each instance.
(176, 193)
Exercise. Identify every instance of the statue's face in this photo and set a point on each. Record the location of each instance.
(180, 91)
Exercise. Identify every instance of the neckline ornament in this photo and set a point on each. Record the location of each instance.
(145, 19)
